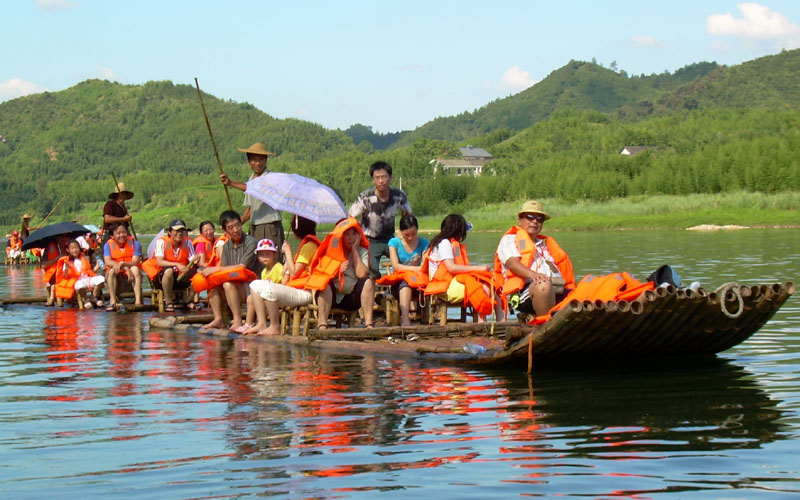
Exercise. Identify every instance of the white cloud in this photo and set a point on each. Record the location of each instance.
(55, 4)
(16, 87)
(758, 23)
(515, 78)
(108, 74)
(646, 41)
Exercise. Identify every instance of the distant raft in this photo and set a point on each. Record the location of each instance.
(659, 323)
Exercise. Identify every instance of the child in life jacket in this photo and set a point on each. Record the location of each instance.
(272, 273)
(75, 274)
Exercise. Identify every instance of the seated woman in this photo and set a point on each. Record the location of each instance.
(405, 254)
(74, 274)
(122, 256)
(209, 249)
(340, 273)
(450, 273)
(290, 292)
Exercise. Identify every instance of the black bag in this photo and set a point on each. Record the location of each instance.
(665, 274)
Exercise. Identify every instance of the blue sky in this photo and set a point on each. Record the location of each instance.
(389, 65)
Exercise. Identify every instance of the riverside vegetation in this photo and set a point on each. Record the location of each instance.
(726, 142)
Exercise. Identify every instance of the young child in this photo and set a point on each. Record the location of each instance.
(74, 273)
(272, 273)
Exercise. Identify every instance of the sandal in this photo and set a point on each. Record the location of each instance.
(111, 307)
(169, 308)
(99, 303)
(190, 306)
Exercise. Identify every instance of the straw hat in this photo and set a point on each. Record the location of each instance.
(532, 207)
(26, 216)
(257, 148)
(120, 188)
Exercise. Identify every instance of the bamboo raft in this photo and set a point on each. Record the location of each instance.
(659, 323)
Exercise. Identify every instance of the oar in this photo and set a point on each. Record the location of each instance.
(51, 213)
(130, 222)
(213, 143)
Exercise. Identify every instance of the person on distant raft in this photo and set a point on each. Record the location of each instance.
(265, 221)
(375, 209)
(115, 209)
(25, 230)
(533, 269)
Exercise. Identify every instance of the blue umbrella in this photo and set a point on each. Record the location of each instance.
(298, 195)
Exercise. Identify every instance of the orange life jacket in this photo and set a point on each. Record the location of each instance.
(209, 249)
(300, 280)
(512, 283)
(609, 287)
(152, 268)
(415, 279)
(14, 243)
(474, 294)
(238, 273)
(51, 252)
(93, 241)
(330, 255)
(67, 275)
(124, 253)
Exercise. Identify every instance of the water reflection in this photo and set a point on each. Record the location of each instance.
(94, 402)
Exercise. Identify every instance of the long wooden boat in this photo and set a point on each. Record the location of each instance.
(659, 323)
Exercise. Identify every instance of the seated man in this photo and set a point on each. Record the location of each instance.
(532, 264)
(122, 255)
(173, 263)
(14, 247)
(340, 272)
(238, 266)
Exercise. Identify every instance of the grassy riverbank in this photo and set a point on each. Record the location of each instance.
(650, 212)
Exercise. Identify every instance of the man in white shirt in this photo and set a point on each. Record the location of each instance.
(533, 265)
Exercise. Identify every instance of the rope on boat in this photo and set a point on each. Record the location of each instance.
(723, 292)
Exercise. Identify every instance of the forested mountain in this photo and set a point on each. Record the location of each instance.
(767, 81)
(717, 129)
(152, 136)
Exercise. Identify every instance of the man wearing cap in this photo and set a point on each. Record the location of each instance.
(176, 259)
(265, 221)
(531, 264)
(239, 250)
(375, 209)
(115, 209)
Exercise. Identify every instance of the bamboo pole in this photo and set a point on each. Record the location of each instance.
(130, 222)
(213, 143)
(51, 213)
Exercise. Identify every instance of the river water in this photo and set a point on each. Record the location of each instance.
(97, 405)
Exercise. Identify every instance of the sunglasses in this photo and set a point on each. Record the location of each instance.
(539, 218)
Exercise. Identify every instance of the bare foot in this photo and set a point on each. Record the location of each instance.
(253, 329)
(270, 331)
(217, 323)
(237, 327)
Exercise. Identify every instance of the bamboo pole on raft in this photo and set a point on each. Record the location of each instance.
(213, 143)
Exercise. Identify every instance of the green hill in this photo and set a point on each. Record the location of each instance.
(152, 136)
(717, 130)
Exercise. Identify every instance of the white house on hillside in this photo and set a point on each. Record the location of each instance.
(471, 162)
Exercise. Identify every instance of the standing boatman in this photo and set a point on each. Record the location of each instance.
(265, 221)
(376, 209)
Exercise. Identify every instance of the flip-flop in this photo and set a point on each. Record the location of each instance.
(110, 307)
(169, 308)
